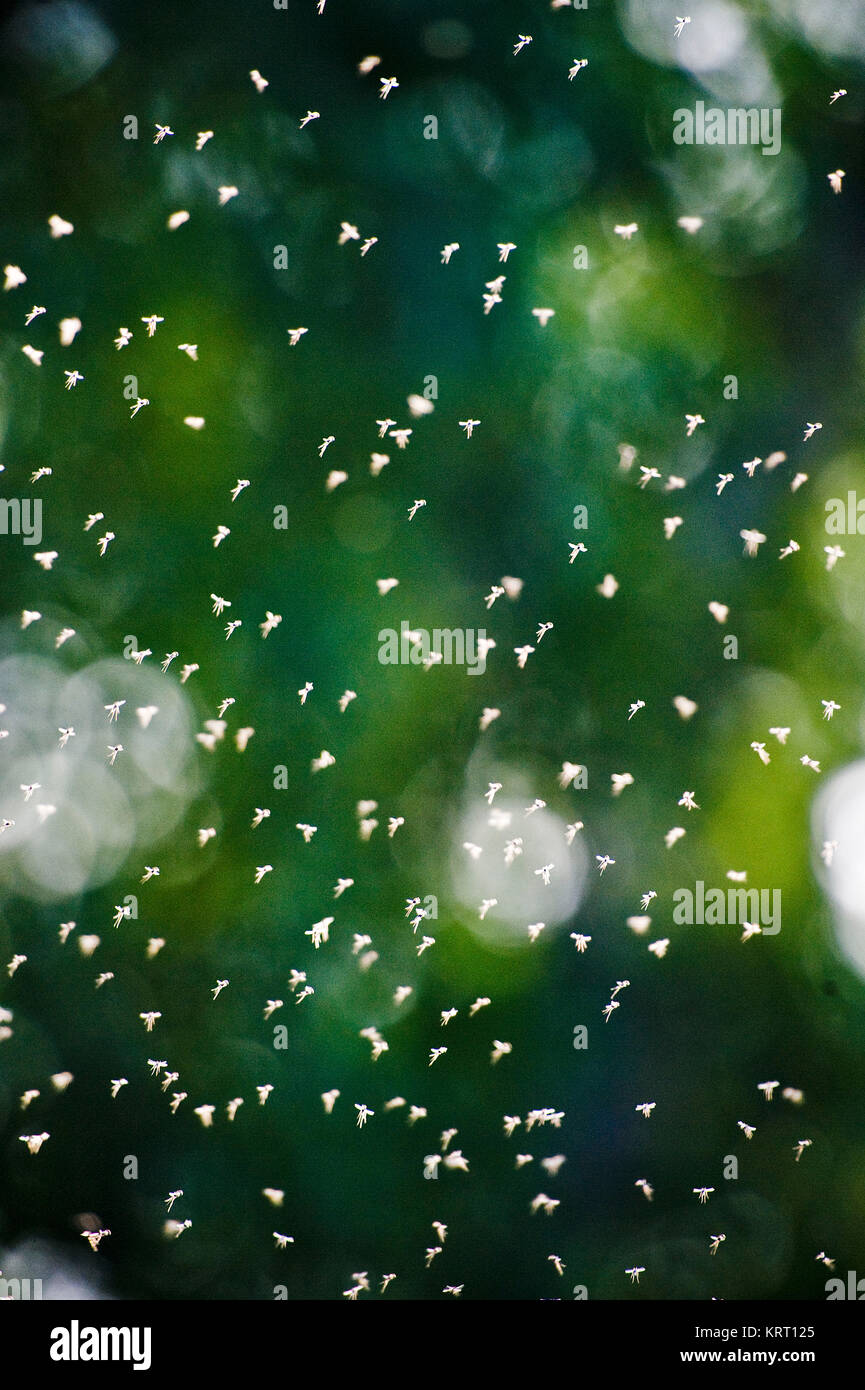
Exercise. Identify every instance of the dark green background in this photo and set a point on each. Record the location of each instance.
(771, 291)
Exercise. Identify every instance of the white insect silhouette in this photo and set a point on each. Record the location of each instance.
(753, 540)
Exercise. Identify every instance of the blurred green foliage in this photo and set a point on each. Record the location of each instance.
(771, 291)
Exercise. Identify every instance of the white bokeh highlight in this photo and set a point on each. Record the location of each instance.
(522, 897)
(838, 814)
(101, 812)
